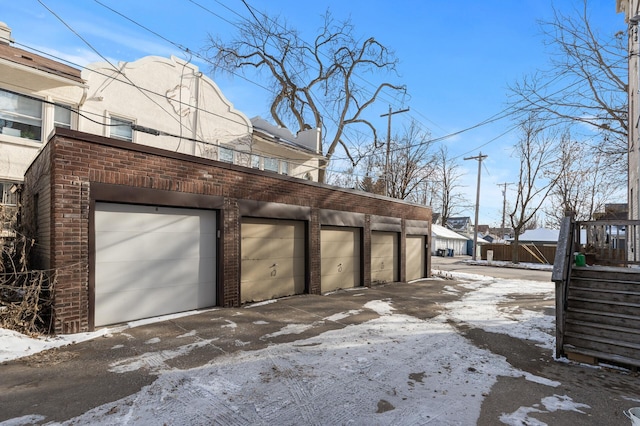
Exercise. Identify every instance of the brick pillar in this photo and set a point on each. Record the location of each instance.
(402, 267)
(366, 252)
(230, 254)
(314, 253)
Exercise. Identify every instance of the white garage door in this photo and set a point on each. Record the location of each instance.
(384, 256)
(273, 259)
(340, 258)
(416, 261)
(152, 261)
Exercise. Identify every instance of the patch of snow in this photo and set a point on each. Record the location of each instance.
(229, 324)
(189, 334)
(550, 403)
(152, 341)
(480, 308)
(289, 329)
(504, 264)
(266, 302)
(420, 371)
(342, 315)
(380, 307)
(155, 361)
(24, 420)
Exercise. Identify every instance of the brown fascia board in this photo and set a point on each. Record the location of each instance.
(146, 149)
(32, 60)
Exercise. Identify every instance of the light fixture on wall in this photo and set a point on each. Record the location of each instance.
(16, 187)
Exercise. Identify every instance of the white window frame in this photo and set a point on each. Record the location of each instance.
(17, 133)
(111, 127)
(223, 154)
(284, 167)
(6, 197)
(67, 107)
(269, 166)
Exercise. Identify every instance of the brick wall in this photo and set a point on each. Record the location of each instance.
(77, 164)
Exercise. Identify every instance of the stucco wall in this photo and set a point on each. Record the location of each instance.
(166, 94)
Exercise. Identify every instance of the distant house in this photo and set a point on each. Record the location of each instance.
(539, 236)
(446, 239)
(460, 224)
(278, 150)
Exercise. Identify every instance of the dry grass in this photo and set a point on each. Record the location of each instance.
(25, 300)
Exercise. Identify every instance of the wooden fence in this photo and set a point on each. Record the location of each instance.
(527, 253)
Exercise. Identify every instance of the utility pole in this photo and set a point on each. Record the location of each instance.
(478, 157)
(386, 163)
(504, 203)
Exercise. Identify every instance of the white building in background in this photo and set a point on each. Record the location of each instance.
(36, 94)
(170, 104)
(447, 240)
(631, 10)
(162, 102)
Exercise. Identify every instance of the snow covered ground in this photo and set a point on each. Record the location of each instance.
(395, 369)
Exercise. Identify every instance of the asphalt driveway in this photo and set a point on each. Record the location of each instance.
(64, 383)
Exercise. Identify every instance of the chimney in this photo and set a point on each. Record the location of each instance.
(5, 34)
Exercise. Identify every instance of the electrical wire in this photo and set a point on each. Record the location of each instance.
(337, 158)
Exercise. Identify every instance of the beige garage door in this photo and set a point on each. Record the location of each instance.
(340, 258)
(384, 256)
(273, 259)
(416, 261)
(152, 261)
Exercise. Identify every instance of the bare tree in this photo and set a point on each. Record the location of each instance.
(585, 84)
(583, 185)
(536, 153)
(314, 85)
(450, 199)
(410, 165)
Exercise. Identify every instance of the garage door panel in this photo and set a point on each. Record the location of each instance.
(384, 256)
(416, 251)
(124, 246)
(176, 273)
(262, 269)
(151, 219)
(340, 258)
(161, 301)
(152, 261)
(339, 249)
(261, 229)
(274, 249)
(269, 242)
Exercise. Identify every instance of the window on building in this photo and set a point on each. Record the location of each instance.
(20, 116)
(225, 155)
(284, 168)
(271, 164)
(62, 116)
(120, 128)
(255, 161)
(6, 196)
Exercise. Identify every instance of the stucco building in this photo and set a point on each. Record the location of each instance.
(631, 10)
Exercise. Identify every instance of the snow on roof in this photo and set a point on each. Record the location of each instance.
(540, 234)
(306, 139)
(442, 232)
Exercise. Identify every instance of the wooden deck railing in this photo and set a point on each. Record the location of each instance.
(598, 305)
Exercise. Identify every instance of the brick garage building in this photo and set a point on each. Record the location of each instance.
(134, 231)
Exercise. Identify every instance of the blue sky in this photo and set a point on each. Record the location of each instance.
(456, 57)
